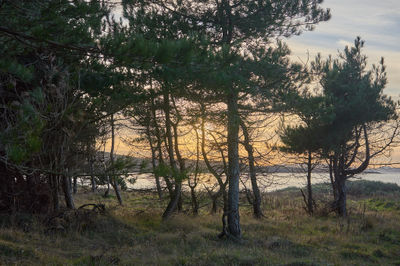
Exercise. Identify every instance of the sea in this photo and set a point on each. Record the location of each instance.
(270, 181)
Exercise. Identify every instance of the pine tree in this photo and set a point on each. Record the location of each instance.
(305, 139)
(44, 45)
(230, 26)
(341, 123)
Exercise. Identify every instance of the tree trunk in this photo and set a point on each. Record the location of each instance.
(154, 165)
(156, 176)
(222, 185)
(195, 204)
(224, 199)
(181, 161)
(310, 200)
(54, 187)
(93, 181)
(92, 178)
(168, 179)
(252, 170)
(332, 178)
(69, 201)
(153, 158)
(173, 204)
(158, 147)
(117, 192)
(341, 200)
(180, 201)
(75, 184)
(71, 186)
(107, 192)
(214, 204)
(342, 172)
(192, 186)
(233, 166)
(114, 181)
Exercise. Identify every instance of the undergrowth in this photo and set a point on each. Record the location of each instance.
(134, 234)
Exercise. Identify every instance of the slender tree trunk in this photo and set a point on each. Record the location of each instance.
(71, 182)
(156, 176)
(192, 186)
(114, 181)
(214, 200)
(167, 179)
(181, 161)
(222, 185)
(69, 201)
(153, 156)
(214, 204)
(54, 185)
(195, 204)
(66, 180)
(107, 192)
(332, 178)
(224, 198)
(92, 177)
(252, 170)
(154, 165)
(170, 185)
(310, 200)
(152, 120)
(117, 191)
(342, 172)
(233, 166)
(159, 145)
(180, 201)
(341, 200)
(75, 184)
(93, 181)
(173, 204)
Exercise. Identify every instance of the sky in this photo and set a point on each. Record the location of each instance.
(376, 22)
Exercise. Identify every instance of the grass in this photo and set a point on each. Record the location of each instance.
(134, 234)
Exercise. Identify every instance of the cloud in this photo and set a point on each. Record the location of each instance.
(344, 43)
(378, 23)
(304, 52)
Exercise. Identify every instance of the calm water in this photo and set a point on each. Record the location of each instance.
(275, 181)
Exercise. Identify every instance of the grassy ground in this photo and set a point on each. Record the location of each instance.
(135, 235)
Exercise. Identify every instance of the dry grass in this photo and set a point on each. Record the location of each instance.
(134, 234)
